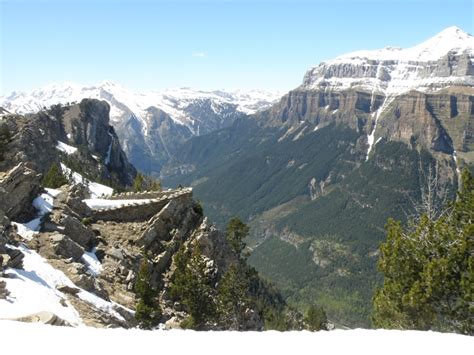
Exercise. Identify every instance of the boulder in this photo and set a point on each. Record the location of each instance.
(18, 187)
(68, 289)
(66, 247)
(78, 206)
(16, 259)
(78, 232)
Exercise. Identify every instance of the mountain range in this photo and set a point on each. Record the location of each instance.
(151, 125)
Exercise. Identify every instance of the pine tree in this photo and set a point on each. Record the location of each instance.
(54, 178)
(316, 318)
(193, 286)
(429, 270)
(233, 296)
(138, 183)
(147, 312)
(237, 231)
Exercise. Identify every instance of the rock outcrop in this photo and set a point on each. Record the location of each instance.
(85, 127)
(18, 187)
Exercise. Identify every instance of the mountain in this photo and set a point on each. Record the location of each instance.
(151, 125)
(318, 174)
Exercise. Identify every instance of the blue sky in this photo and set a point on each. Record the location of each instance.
(203, 44)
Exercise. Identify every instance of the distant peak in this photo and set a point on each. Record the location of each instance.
(108, 83)
(453, 31)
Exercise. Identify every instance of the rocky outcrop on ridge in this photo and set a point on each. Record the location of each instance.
(84, 126)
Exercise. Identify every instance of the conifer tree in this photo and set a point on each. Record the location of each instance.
(316, 318)
(147, 312)
(237, 231)
(233, 296)
(429, 270)
(138, 183)
(193, 286)
(54, 178)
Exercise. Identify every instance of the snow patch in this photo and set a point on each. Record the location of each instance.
(93, 264)
(66, 148)
(44, 205)
(300, 134)
(34, 290)
(96, 189)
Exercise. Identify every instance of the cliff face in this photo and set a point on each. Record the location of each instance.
(421, 96)
(34, 140)
(439, 122)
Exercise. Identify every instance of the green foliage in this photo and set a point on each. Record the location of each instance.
(428, 270)
(145, 183)
(236, 232)
(87, 221)
(233, 296)
(316, 318)
(138, 183)
(192, 285)
(54, 178)
(147, 312)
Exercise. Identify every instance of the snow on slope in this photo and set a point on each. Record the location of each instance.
(122, 101)
(43, 204)
(393, 71)
(44, 339)
(96, 189)
(66, 148)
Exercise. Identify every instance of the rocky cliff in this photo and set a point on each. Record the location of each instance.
(421, 96)
(79, 133)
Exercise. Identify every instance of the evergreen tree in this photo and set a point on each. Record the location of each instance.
(147, 312)
(54, 178)
(429, 270)
(193, 286)
(237, 231)
(138, 183)
(146, 183)
(233, 296)
(316, 318)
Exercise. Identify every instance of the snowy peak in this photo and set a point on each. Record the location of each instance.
(452, 39)
(446, 59)
(180, 104)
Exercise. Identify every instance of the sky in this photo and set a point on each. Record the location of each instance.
(241, 44)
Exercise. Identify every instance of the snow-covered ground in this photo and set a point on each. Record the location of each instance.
(34, 289)
(26, 338)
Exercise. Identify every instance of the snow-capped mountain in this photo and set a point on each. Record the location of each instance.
(181, 104)
(152, 125)
(443, 60)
